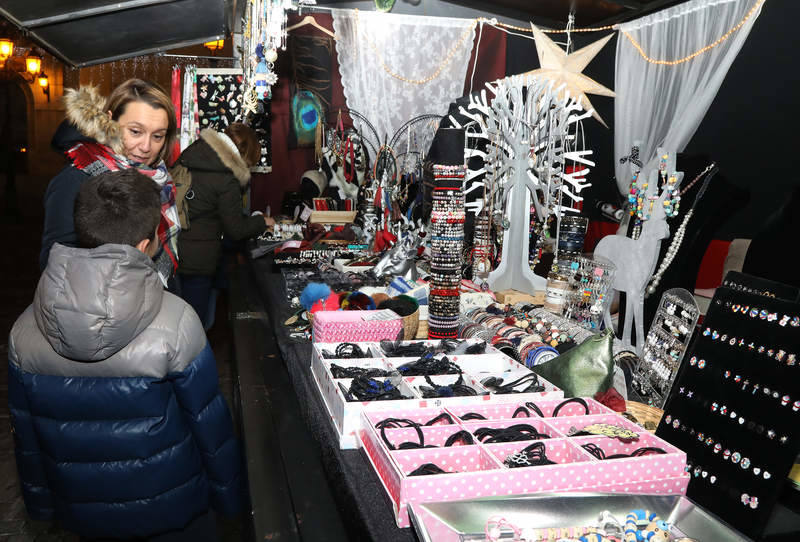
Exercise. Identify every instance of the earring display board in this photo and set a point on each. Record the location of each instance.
(735, 406)
(665, 346)
(591, 280)
(219, 104)
(219, 97)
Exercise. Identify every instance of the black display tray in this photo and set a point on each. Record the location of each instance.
(735, 406)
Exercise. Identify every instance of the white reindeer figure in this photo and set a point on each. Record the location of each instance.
(636, 259)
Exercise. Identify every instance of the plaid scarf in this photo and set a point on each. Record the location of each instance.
(94, 159)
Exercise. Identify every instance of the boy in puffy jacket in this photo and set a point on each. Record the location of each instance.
(119, 426)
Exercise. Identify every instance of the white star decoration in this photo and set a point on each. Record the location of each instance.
(556, 65)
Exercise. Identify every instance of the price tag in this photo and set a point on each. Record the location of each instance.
(385, 314)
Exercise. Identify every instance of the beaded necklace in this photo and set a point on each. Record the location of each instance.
(641, 205)
(677, 239)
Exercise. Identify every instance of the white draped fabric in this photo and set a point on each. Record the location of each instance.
(370, 45)
(662, 105)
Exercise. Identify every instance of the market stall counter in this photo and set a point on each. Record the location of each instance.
(359, 495)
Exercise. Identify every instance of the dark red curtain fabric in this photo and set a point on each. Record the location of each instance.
(175, 90)
(288, 165)
(490, 43)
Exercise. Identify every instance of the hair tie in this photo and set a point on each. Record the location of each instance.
(578, 400)
(521, 410)
(426, 469)
(406, 445)
(531, 405)
(463, 436)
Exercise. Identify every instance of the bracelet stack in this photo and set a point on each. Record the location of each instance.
(447, 241)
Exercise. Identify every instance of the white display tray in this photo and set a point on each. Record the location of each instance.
(345, 415)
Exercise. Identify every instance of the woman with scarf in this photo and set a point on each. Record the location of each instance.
(133, 128)
(219, 163)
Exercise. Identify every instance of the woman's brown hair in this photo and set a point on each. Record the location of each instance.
(246, 141)
(137, 90)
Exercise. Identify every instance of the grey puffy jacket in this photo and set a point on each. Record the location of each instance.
(120, 429)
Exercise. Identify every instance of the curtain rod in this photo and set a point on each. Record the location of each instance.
(313, 8)
(326, 8)
(170, 55)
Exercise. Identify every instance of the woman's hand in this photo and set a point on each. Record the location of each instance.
(269, 221)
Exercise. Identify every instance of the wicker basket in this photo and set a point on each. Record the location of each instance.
(422, 329)
(410, 325)
(646, 416)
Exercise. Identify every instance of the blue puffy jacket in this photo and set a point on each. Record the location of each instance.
(119, 425)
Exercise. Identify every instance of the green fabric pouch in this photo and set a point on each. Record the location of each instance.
(584, 370)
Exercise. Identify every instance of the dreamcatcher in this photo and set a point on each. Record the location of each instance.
(407, 142)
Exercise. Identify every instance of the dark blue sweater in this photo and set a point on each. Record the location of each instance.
(59, 199)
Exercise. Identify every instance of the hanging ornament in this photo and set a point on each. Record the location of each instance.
(261, 80)
(562, 68)
(384, 5)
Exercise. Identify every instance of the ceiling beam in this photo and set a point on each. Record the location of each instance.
(490, 8)
(91, 12)
(149, 50)
(35, 37)
(645, 9)
(630, 4)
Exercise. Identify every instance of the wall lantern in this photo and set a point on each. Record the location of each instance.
(44, 84)
(214, 45)
(34, 64)
(6, 48)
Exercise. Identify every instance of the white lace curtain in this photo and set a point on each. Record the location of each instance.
(662, 105)
(386, 60)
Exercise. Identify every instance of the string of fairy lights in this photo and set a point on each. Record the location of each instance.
(504, 26)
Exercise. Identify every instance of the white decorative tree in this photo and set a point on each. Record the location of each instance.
(529, 135)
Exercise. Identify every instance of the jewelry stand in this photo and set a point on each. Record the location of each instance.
(447, 239)
(665, 346)
(735, 406)
(591, 281)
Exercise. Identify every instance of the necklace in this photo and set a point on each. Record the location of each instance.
(699, 176)
(677, 239)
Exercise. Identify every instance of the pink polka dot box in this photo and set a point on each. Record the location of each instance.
(461, 458)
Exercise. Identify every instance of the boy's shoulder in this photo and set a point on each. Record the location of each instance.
(170, 343)
(178, 321)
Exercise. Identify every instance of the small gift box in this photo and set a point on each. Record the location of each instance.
(354, 326)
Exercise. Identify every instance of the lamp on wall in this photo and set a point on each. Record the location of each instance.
(26, 62)
(6, 49)
(214, 45)
(44, 84)
(33, 63)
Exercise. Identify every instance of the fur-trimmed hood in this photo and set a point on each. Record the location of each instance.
(84, 110)
(212, 153)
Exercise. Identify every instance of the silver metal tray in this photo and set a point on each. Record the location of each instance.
(465, 520)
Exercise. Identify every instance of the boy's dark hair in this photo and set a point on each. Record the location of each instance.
(120, 207)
